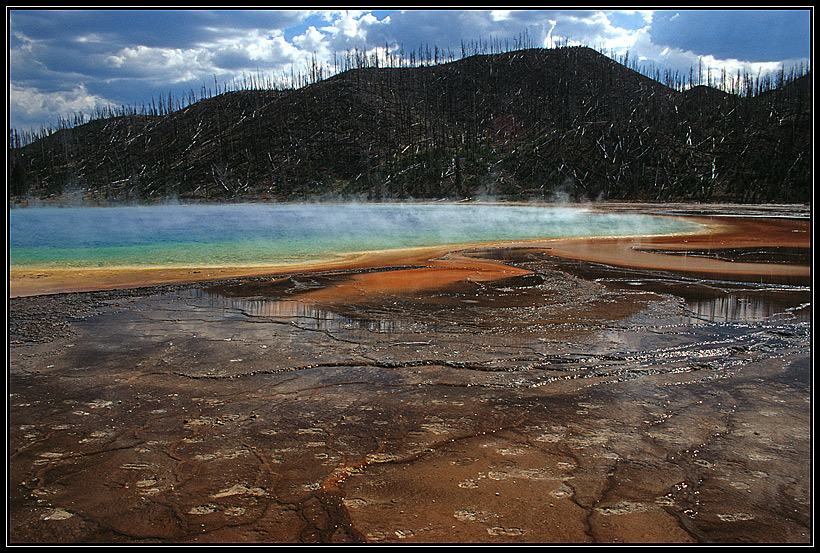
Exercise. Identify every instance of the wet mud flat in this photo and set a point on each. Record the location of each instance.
(572, 401)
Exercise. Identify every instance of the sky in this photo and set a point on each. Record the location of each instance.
(63, 62)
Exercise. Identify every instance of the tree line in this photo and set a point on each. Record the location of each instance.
(741, 83)
(498, 120)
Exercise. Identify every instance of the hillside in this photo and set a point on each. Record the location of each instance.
(519, 125)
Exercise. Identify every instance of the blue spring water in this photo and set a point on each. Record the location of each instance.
(271, 234)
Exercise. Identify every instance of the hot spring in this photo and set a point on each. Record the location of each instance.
(277, 234)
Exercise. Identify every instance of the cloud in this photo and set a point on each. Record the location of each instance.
(348, 30)
(68, 58)
(74, 59)
(161, 67)
(32, 105)
(744, 35)
(152, 28)
(447, 29)
(610, 30)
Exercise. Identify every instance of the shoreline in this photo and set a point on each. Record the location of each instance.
(644, 252)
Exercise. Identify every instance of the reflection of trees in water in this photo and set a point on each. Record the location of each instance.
(302, 314)
(753, 306)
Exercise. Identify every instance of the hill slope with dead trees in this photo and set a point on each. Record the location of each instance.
(524, 124)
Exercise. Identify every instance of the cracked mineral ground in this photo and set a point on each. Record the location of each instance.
(573, 401)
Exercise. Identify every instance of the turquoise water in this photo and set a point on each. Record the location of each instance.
(268, 234)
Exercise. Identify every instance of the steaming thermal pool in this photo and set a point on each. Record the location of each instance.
(265, 234)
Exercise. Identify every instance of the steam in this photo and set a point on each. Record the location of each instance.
(241, 234)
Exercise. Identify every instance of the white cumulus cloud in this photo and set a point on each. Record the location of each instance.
(37, 107)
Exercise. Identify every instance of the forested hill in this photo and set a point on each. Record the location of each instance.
(526, 124)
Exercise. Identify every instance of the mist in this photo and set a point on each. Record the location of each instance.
(239, 234)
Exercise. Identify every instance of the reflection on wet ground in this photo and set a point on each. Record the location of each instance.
(711, 297)
(797, 256)
(576, 403)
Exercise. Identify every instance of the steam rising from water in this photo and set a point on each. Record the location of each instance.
(259, 234)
